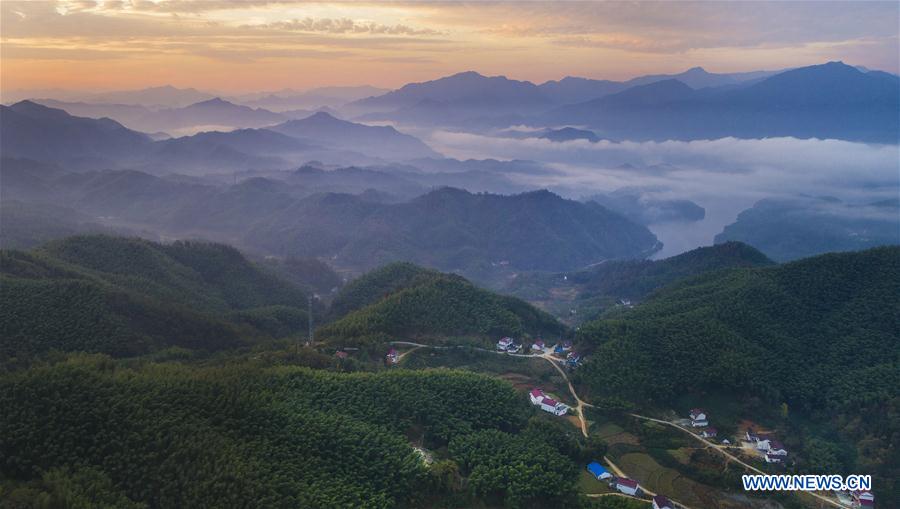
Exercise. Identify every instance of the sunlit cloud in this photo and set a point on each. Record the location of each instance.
(391, 43)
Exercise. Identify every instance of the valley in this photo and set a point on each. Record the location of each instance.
(449, 255)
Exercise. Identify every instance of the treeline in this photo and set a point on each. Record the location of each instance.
(127, 296)
(89, 431)
(819, 335)
(405, 301)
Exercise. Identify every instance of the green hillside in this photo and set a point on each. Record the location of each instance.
(819, 335)
(378, 284)
(405, 301)
(127, 296)
(592, 290)
(88, 432)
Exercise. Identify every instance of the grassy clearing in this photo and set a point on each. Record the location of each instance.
(587, 483)
(660, 479)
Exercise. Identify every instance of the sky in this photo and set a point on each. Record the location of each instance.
(255, 45)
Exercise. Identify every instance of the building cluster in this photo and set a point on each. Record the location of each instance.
(546, 403)
(773, 450)
(625, 485)
(700, 420)
(507, 344)
(561, 350)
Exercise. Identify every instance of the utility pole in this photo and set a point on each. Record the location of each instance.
(310, 314)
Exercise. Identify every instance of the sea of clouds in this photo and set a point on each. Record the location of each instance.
(725, 176)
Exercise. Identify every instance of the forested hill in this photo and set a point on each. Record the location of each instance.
(455, 230)
(128, 296)
(90, 432)
(402, 301)
(819, 334)
(378, 284)
(635, 279)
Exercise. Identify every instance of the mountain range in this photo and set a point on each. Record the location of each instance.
(33, 131)
(300, 214)
(452, 229)
(832, 100)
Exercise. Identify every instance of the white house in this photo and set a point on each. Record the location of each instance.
(764, 442)
(708, 432)
(514, 348)
(863, 498)
(698, 418)
(536, 396)
(661, 502)
(777, 448)
(504, 344)
(751, 436)
(553, 406)
(538, 345)
(773, 458)
(627, 486)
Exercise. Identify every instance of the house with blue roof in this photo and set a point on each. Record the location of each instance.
(598, 471)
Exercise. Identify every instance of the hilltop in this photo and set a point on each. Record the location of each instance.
(127, 296)
(818, 335)
(403, 301)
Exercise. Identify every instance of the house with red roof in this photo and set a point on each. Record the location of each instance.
(536, 396)
(553, 406)
(504, 344)
(661, 502)
(626, 486)
(709, 432)
(863, 498)
(698, 418)
(538, 345)
(340, 354)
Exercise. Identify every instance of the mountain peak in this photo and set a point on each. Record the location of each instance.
(467, 74)
(696, 70)
(215, 101)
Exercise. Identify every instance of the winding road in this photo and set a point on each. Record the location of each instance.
(579, 410)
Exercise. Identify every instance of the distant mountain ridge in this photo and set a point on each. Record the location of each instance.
(377, 141)
(34, 131)
(451, 229)
(791, 228)
(832, 100)
(462, 90)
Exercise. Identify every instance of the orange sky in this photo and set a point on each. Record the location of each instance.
(268, 45)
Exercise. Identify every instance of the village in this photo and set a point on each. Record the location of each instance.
(764, 447)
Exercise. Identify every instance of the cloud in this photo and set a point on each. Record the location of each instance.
(342, 26)
(725, 176)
